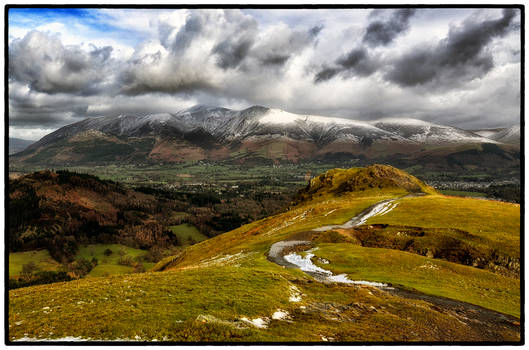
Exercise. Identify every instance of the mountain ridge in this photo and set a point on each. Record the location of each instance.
(257, 132)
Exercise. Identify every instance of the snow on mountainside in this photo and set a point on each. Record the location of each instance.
(510, 135)
(231, 125)
(425, 132)
(487, 132)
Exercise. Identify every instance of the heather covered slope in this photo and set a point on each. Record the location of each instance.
(228, 289)
(60, 210)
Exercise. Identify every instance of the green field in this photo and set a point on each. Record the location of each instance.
(187, 234)
(491, 223)
(108, 265)
(40, 257)
(429, 276)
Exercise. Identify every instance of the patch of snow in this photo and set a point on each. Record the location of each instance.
(295, 294)
(277, 116)
(379, 209)
(485, 133)
(257, 322)
(52, 340)
(342, 278)
(388, 209)
(304, 263)
(223, 260)
(323, 261)
(430, 266)
(330, 212)
(280, 315)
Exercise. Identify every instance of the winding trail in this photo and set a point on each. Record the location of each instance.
(484, 320)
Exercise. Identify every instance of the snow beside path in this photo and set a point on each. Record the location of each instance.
(305, 264)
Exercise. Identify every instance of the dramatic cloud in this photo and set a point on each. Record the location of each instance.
(41, 61)
(383, 33)
(458, 58)
(239, 39)
(455, 66)
(357, 63)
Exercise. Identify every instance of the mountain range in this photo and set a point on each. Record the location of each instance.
(215, 133)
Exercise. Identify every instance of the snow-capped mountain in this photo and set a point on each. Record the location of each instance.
(510, 135)
(205, 132)
(230, 125)
(425, 132)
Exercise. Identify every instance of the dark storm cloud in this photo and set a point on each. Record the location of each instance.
(459, 57)
(136, 79)
(326, 73)
(356, 62)
(45, 111)
(273, 60)
(382, 33)
(230, 54)
(239, 38)
(190, 31)
(284, 44)
(243, 44)
(41, 61)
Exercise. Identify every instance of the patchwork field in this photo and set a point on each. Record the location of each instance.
(188, 234)
(41, 258)
(109, 264)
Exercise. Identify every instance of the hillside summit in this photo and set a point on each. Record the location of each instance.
(357, 181)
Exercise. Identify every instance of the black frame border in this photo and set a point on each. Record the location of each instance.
(521, 7)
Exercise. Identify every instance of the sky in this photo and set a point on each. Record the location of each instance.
(457, 67)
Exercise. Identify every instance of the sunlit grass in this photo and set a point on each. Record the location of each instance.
(497, 223)
(429, 276)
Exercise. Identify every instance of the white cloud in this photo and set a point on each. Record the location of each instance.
(29, 134)
(164, 60)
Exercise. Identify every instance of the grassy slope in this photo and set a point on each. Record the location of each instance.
(495, 224)
(168, 306)
(229, 277)
(429, 276)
